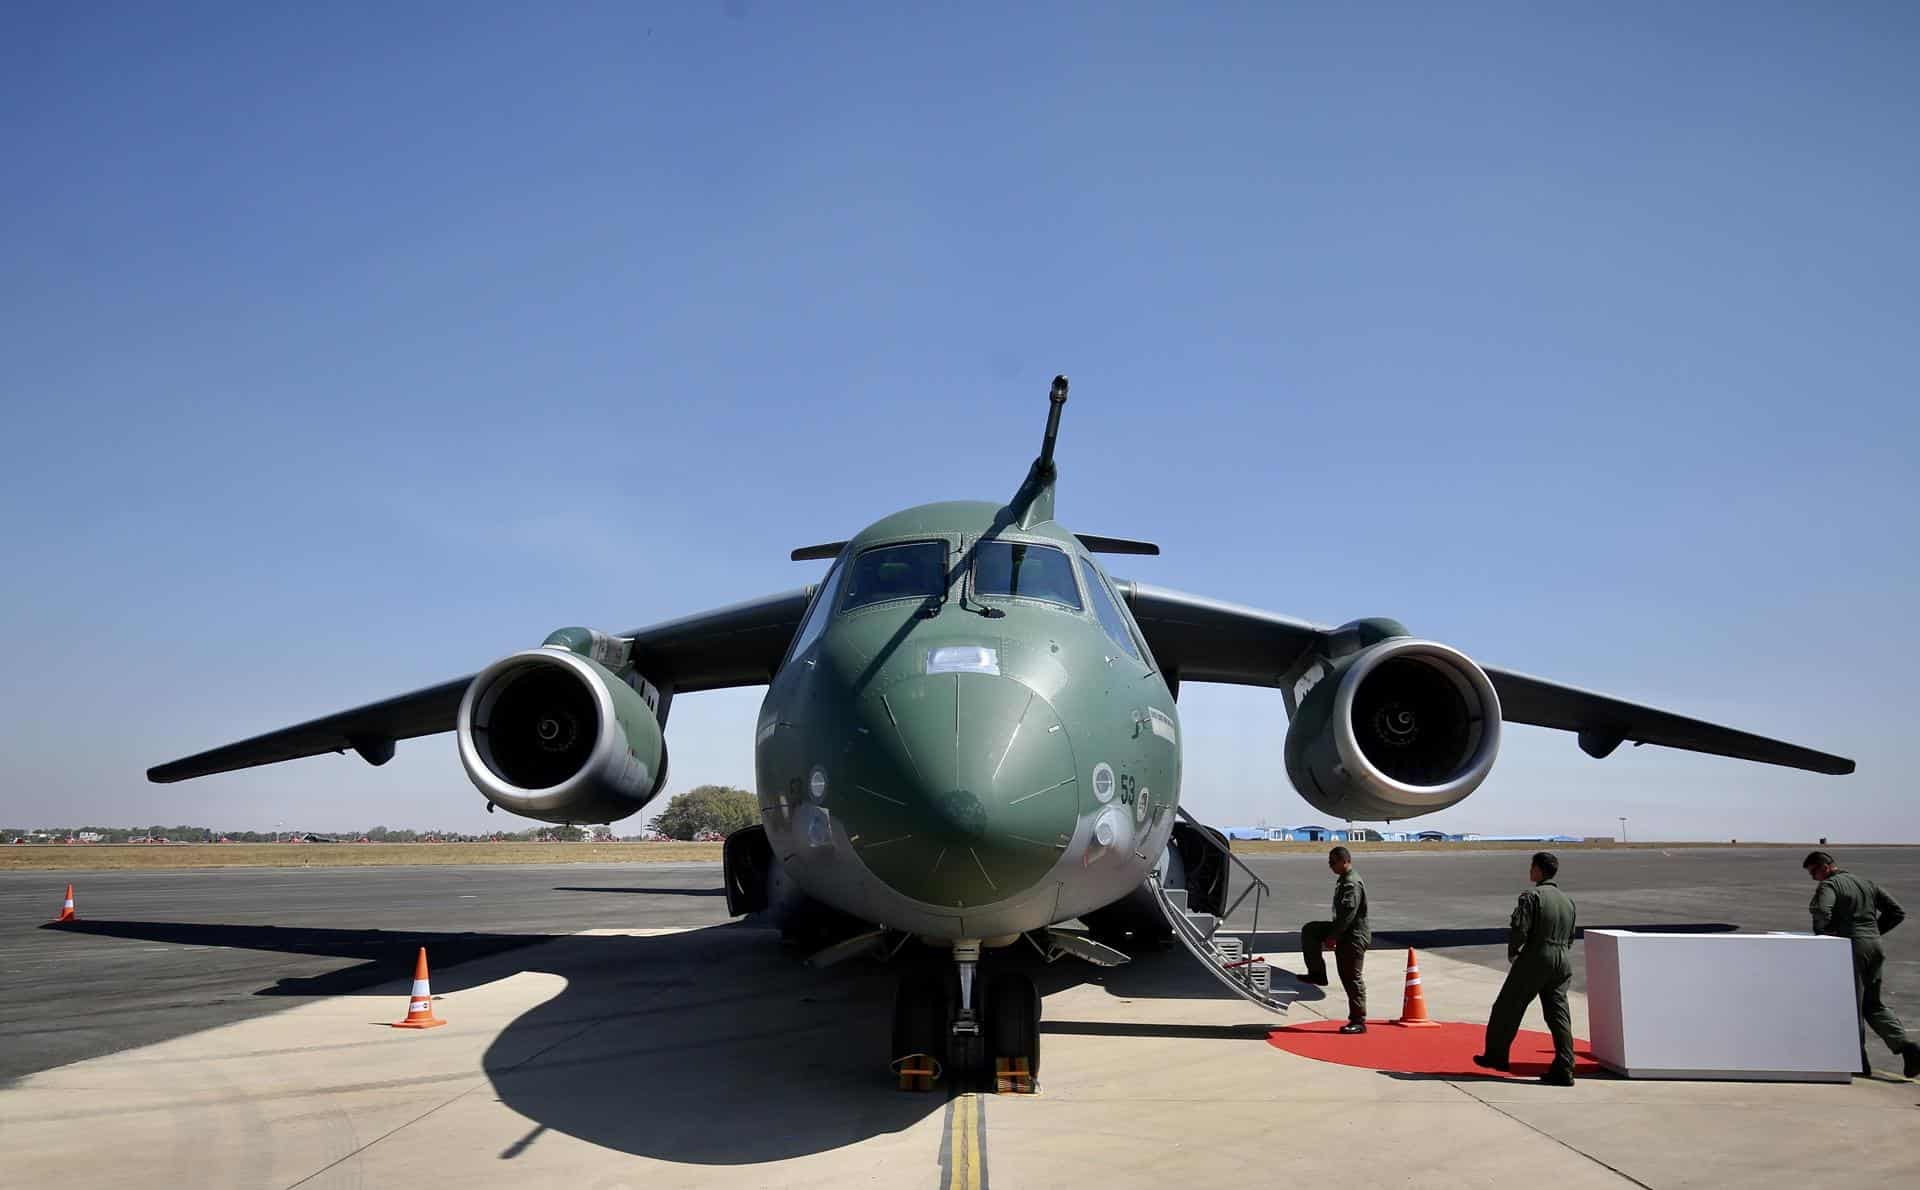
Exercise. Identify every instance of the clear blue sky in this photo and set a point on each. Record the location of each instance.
(347, 350)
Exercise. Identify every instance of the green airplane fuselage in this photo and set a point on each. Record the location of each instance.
(968, 738)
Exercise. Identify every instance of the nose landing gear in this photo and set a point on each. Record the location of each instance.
(977, 1034)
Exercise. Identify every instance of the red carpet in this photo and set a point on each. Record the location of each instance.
(1447, 1050)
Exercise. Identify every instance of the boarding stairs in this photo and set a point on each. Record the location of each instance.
(1246, 976)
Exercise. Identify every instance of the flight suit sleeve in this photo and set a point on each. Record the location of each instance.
(1821, 907)
(1346, 906)
(1520, 927)
(1887, 910)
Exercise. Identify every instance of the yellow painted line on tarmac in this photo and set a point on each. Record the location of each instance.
(964, 1155)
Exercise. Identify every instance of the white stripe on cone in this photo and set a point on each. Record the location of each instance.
(420, 988)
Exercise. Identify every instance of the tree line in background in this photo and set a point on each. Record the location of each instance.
(705, 812)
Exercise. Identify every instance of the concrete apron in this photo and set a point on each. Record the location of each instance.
(709, 1058)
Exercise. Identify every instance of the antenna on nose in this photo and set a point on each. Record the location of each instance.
(1033, 503)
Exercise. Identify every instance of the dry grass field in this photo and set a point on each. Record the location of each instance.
(128, 856)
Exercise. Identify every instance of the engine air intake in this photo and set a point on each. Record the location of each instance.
(553, 735)
(1402, 728)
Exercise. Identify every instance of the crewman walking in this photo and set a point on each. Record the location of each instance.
(1537, 939)
(1348, 935)
(1853, 907)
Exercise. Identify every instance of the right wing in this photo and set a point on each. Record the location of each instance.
(740, 645)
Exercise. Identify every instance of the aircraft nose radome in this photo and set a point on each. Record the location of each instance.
(960, 788)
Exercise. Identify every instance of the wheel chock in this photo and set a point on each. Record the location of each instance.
(1013, 1076)
(917, 1073)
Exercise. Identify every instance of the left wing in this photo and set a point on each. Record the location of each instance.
(739, 645)
(1605, 722)
(1196, 639)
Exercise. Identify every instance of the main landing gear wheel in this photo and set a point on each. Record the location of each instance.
(1013, 1032)
(921, 1012)
(968, 1053)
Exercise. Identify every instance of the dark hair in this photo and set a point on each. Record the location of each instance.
(1547, 862)
(1815, 858)
(1338, 854)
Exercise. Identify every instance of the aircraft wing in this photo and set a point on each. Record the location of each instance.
(739, 645)
(1604, 722)
(1196, 639)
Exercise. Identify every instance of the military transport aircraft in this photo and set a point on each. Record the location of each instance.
(970, 737)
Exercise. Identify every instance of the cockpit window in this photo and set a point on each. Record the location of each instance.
(1027, 571)
(1108, 610)
(915, 570)
(817, 613)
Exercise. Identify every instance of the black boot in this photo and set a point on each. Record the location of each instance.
(1488, 1063)
(1911, 1059)
(1558, 1078)
(1354, 1027)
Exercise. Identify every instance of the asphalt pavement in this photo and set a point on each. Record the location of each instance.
(159, 954)
(162, 954)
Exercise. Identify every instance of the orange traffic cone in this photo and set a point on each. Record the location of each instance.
(66, 907)
(1413, 1011)
(420, 1003)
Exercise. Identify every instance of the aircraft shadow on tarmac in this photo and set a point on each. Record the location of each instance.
(384, 952)
(711, 1046)
(714, 1046)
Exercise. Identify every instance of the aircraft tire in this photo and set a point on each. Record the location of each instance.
(921, 1013)
(1013, 1022)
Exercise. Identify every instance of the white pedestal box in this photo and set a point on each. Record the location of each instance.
(1733, 1006)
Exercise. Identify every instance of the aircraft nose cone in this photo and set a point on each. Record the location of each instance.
(959, 816)
(961, 788)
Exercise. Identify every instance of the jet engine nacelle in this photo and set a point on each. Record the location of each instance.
(1402, 728)
(551, 734)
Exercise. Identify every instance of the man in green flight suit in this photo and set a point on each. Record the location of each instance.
(1537, 941)
(1348, 935)
(1853, 907)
